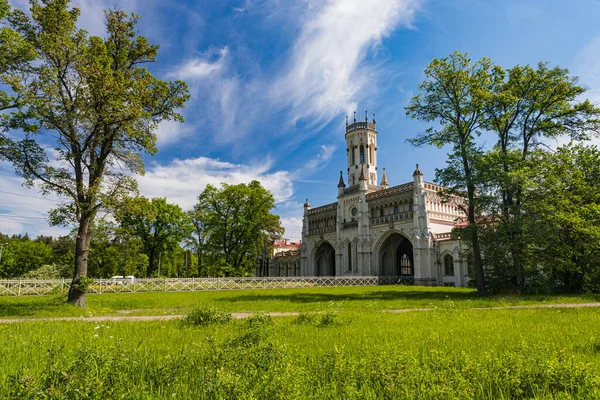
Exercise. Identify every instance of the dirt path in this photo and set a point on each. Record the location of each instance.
(111, 318)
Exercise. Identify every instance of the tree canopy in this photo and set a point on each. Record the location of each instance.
(524, 107)
(237, 222)
(159, 225)
(82, 111)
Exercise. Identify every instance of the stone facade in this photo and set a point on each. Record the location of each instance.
(376, 230)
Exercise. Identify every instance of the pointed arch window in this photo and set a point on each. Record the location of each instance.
(448, 265)
(362, 154)
(349, 256)
(353, 156)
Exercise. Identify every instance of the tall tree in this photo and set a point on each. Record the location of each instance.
(525, 107)
(563, 211)
(94, 100)
(237, 221)
(452, 96)
(158, 224)
(197, 240)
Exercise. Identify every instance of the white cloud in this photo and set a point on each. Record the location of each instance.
(181, 181)
(202, 67)
(316, 163)
(326, 73)
(293, 227)
(170, 132)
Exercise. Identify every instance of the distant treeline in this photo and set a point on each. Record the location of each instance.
(223, 235)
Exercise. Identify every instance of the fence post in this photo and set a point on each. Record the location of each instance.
(165, 285)
(218, 283)
(19, 288)
(62, 285)
(193, 284)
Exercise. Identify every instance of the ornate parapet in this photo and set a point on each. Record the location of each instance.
(394, 190)
(322, 209)
(361, 125)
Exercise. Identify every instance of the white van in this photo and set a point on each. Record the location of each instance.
(122, 280)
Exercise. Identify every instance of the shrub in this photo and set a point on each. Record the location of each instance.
(206, 316)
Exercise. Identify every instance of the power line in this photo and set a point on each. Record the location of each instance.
(32, 197)
(20, 216)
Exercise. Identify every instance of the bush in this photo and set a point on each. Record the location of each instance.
(206, 316)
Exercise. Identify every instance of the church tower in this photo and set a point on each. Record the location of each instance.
(361, 147)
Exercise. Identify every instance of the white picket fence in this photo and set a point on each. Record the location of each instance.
(34, 287)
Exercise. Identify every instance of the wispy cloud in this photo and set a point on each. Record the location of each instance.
(326, 73)
(181, 181)
(315, 164)
(203, 66)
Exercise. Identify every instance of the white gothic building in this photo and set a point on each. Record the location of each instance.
(376, 230)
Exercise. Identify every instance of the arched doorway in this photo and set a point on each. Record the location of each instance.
(325, 260)
(396, 257)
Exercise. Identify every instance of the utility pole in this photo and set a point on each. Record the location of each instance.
(1, 246)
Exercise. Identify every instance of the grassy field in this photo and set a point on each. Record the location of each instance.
(446, 353)
(341, 346)
(272, 300)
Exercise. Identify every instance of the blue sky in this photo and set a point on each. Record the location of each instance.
(272, 80)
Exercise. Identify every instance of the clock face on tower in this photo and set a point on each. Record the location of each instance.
(354, 211)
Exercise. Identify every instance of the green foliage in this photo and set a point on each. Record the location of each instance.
(325, 319)
(236, 225)
(157, 224)
(22, 255)
(206, 316)
(563, 218)
(499, 187)
(90, 96)
(453, 96)
(84, 284)
(48, 271)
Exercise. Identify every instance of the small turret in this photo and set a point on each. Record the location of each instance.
(384, 181)
(306, 205)
(418, 177)
(417, 171)
(341, 184)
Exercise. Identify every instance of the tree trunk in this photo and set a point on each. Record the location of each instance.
(82, 248)
(474, 231)
(150, 264)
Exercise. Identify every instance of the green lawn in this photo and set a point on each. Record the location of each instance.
(316, 299)
(352, 353)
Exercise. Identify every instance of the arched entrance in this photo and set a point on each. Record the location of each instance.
(325, 260)
(396, 257)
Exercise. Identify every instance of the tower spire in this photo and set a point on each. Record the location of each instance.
(341, 184)
(384, 180)
(362, 176)
(366, 116)
(354, 116)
